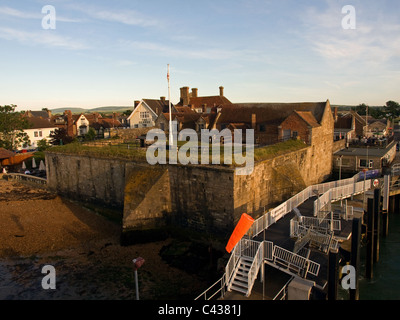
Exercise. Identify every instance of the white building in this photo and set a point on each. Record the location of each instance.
(147, 111)
(40, 129)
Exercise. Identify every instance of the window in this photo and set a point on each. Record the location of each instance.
(363, 163)
(144, 114)
(40, 134)
(262, 128)
(294, 135)
(36, 134)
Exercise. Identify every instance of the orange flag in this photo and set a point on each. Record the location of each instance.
(241, 228)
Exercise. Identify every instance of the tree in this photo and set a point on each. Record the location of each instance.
(361, 109)
(91, 135)
(43, 145)
(391, 110)
(12, 125)
(60, 137)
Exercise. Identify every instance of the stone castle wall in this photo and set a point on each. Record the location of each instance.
(205, 198)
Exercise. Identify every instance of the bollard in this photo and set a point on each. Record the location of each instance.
(370, 240)
(385, 223)
(355, 255)
(377, 206)
(333, 265)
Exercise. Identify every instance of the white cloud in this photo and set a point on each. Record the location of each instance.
(127, 17)
(371, 44)
(11, 12)
(44, 37)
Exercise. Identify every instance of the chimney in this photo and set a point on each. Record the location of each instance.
(70, 123)
(96, 117)
(185, 96)
(136, 103)
(253, 121)
(194, 92)
(162, 99)
(49, 113)
(335, 115)
(221, 91)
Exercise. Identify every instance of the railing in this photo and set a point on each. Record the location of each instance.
(271, 217)
(283, 291)
(324, 224)
(232, 262)
(339, 193)
(25, 177)
(255, 266)
(221, 289)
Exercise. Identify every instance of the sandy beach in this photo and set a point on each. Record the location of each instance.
(39, 228)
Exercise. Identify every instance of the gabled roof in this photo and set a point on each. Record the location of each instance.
(270, 113)
(40, 123)
(308, 117)
(159, 106)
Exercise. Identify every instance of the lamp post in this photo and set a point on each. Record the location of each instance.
(137, 263)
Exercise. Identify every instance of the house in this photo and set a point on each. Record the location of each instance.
(147, 111)
(351, 120)
(40, 128)
(75, 125)
(202, 104)
(352, 160)
(81, 124)
(378, 128)
(345, 128)
(186, 118)
(103, 126)
(275, 122)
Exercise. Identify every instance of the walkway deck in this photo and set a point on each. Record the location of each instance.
(279, 234)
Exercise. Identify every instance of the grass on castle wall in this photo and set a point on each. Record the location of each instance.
(139, 154)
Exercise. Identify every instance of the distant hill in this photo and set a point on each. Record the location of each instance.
(109, 109)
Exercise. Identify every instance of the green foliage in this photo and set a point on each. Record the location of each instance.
(91, 135)
(12, 125)
(392, 110)
(60, 137)
(43, 145)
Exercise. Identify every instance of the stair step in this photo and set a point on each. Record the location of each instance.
(242, 272)
(241, 278)
(239, 289)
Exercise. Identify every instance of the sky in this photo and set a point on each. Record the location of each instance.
(111, 53)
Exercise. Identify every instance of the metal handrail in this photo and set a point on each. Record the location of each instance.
(284, 290)
(222, 289)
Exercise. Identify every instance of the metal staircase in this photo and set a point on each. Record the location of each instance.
(240, 277)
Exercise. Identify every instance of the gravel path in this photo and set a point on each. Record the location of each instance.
(39, 228)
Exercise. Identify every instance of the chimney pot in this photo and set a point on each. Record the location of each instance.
(253, 121)
(185, 96)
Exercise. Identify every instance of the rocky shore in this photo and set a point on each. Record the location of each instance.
(39, 228)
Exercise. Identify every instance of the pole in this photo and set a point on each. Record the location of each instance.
(137, 285)
(171, 138)
(377, 200)
(370, 240)
(333, 265)
(355, 255)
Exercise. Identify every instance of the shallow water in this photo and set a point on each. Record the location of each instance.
(385, 284)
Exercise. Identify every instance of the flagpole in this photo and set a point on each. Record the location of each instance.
(171, 138)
